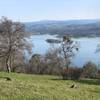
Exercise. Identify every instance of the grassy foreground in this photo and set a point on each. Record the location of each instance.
(43, 87)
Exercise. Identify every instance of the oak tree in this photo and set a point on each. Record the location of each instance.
(12, 40)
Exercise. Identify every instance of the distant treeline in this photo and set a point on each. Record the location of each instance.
(74, 28)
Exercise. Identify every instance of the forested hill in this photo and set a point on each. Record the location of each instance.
(72, 27)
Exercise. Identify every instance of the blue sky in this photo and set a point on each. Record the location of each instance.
(34, 10)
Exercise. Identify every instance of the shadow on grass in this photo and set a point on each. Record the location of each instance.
(82, 81)
(97, 91)
(57, 79)
(89, 81)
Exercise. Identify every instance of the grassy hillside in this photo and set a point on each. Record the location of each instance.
(38, 87)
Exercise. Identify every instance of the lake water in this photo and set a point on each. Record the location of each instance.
(86, 51)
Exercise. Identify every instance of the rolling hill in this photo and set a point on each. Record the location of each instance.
(71, 27)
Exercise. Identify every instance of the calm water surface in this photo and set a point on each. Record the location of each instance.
(86, 51)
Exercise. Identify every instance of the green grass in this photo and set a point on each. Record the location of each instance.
(44, 87)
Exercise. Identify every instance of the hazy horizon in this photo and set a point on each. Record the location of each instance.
(62, 20)
(37, 10)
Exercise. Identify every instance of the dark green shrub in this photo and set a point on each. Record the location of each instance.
(89, 70)
(73, 73)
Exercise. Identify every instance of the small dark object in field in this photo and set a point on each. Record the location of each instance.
(72, 86)
(7, 78)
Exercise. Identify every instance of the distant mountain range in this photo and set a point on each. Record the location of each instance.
(70, 27)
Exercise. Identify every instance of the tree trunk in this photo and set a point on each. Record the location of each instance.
(67, 74)
(8, 65)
